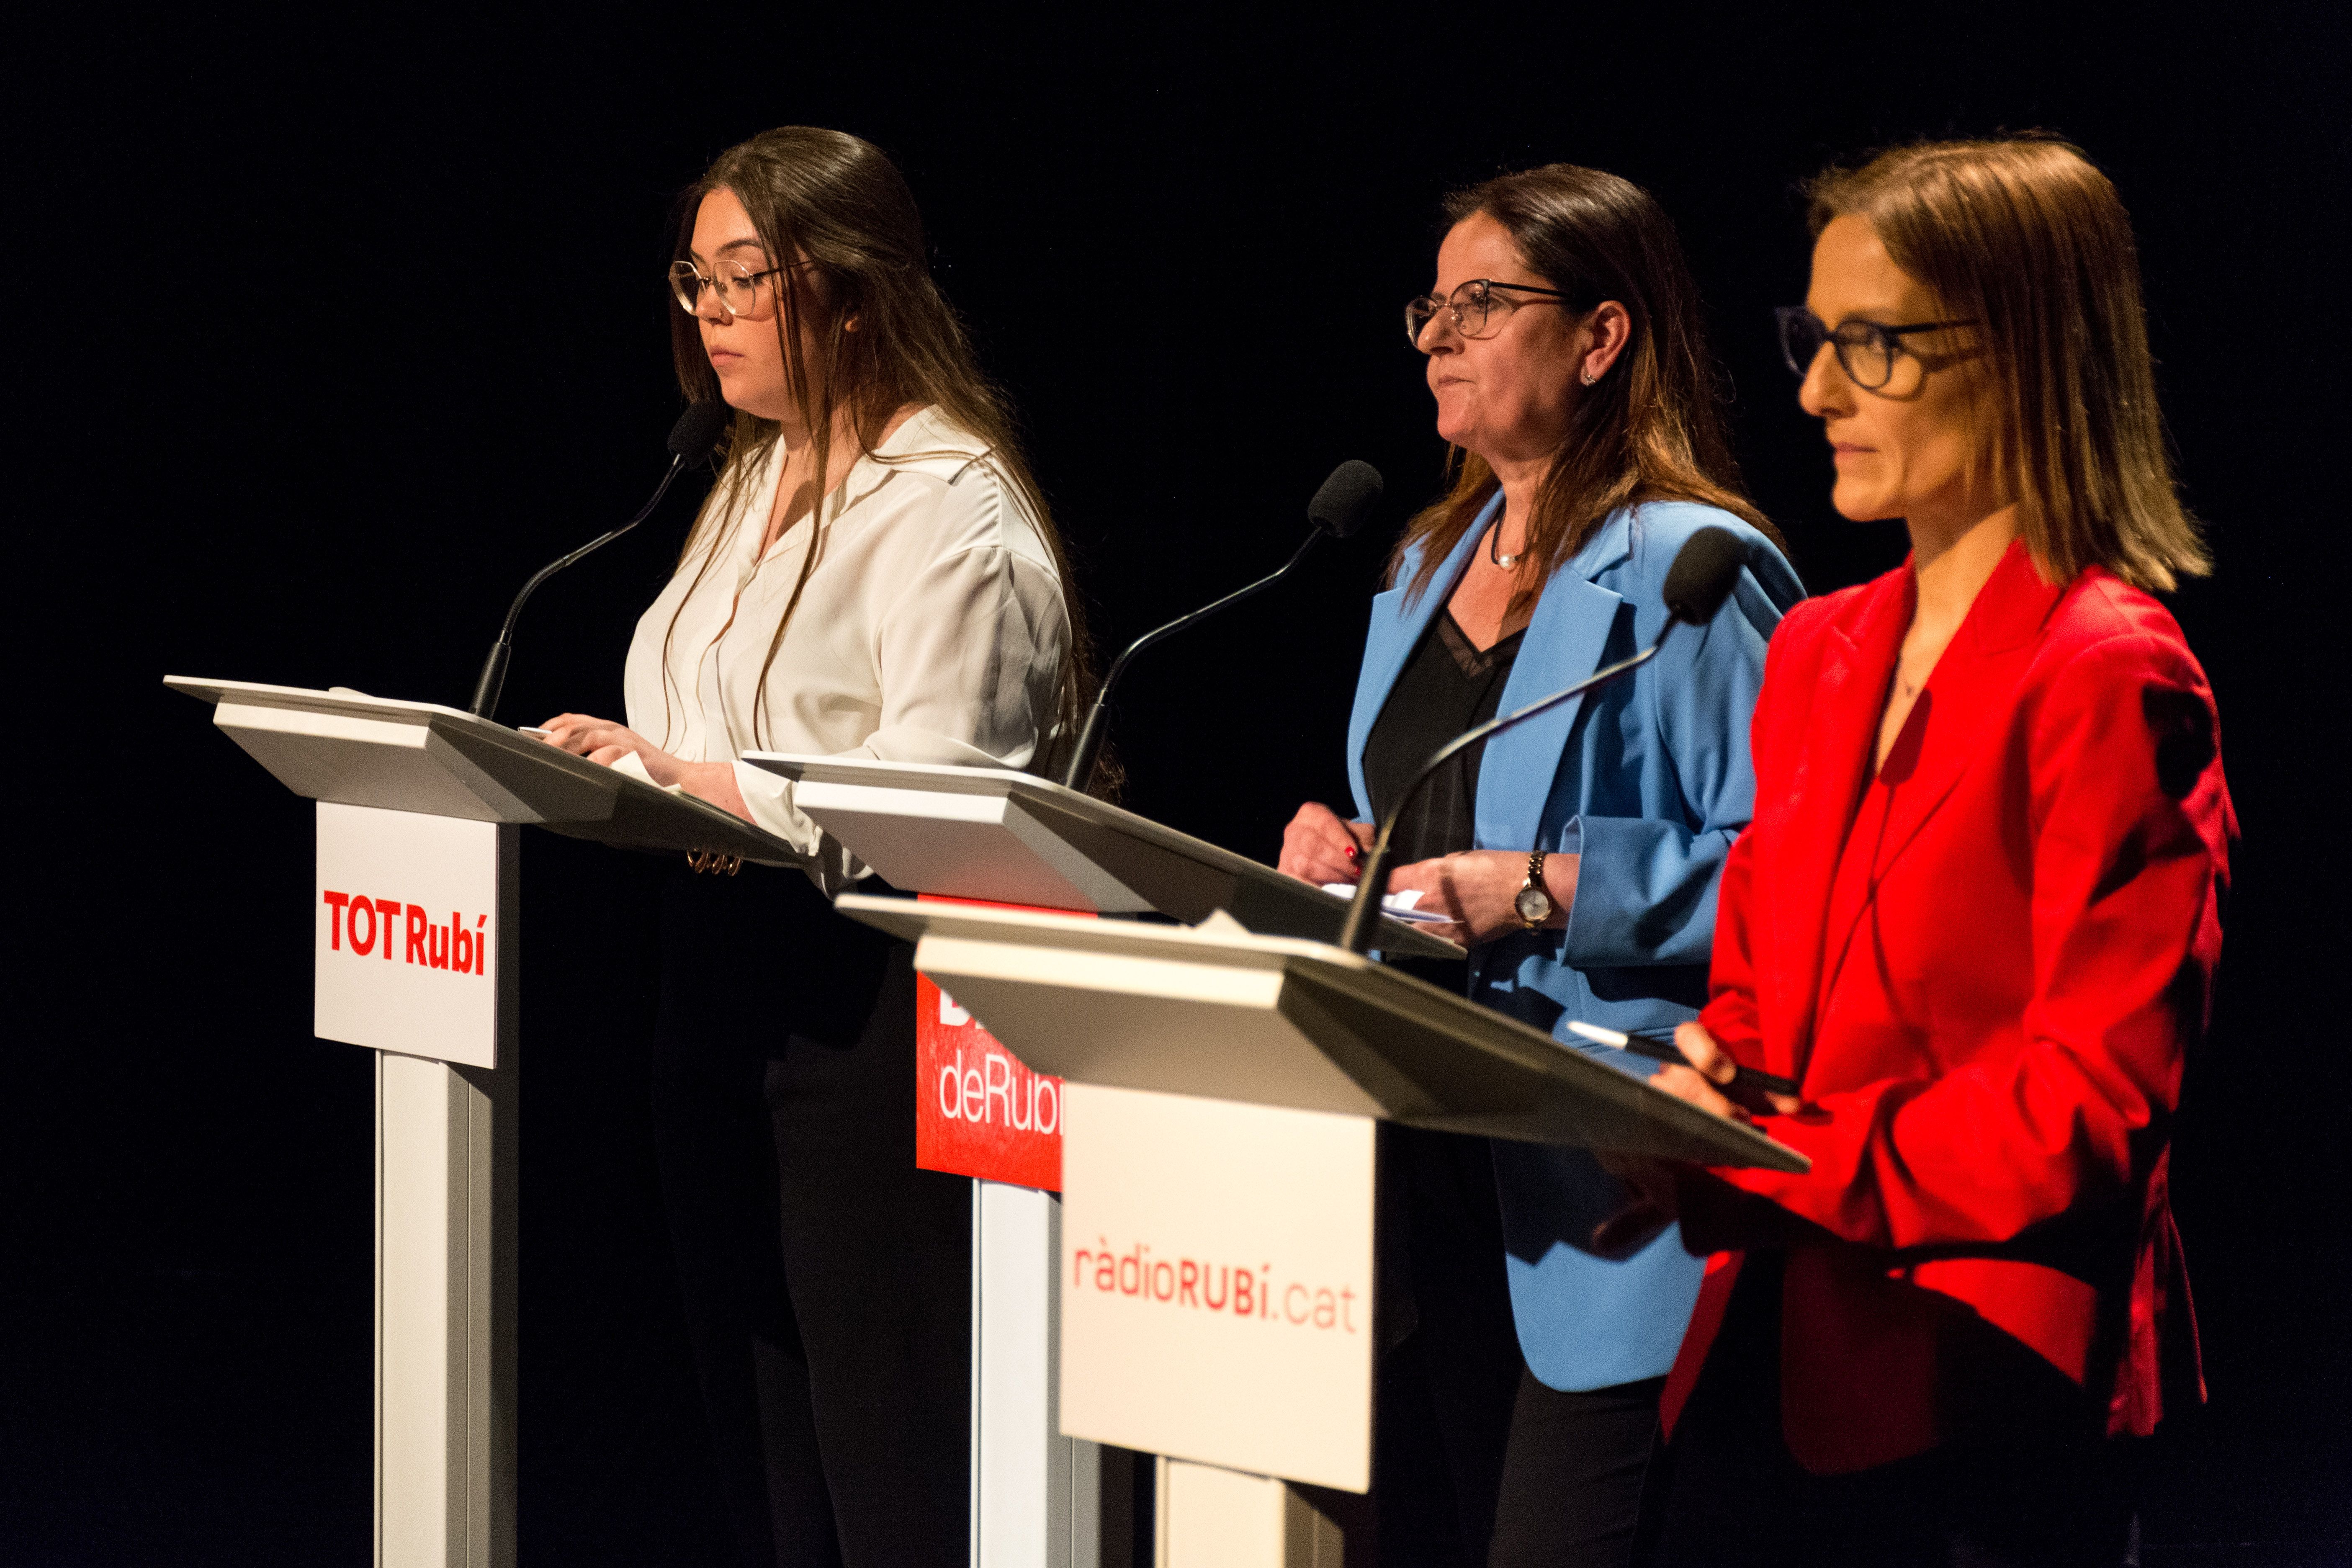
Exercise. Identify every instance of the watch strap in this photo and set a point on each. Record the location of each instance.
(1534, 883)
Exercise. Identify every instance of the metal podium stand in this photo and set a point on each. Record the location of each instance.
(419, 806)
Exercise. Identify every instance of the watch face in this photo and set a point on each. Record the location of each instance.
(1534, 905)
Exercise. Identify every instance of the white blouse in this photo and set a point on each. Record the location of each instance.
(931, 630)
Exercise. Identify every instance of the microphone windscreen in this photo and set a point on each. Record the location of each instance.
(1347, 498)
(698, 430)
(1705, 571)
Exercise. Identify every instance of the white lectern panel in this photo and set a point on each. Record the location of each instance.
(409, 931)
(1217, 1283)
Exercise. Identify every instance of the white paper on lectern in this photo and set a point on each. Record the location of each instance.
(393, 998)
(1177, 1214)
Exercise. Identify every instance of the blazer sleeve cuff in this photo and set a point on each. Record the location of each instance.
(1630, 872)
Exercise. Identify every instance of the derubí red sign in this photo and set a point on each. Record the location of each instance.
(978, 1110)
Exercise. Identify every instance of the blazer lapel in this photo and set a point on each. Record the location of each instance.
(1966, 695)
(1833, 759)
(1576, 623)
(1399, 619)
(1957, 714)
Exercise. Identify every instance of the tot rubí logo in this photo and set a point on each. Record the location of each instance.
(365, 926)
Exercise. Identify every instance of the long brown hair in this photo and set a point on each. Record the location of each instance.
(835, 202)
(1651, 429)
(2027, 239)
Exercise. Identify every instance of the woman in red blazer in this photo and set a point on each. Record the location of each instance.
(1975, 917)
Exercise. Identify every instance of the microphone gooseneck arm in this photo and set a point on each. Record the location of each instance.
(494, 669)
(1364, 910)
(1081, 770)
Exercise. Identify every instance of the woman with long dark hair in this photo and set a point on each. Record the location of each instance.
(1576, 854)
(1976, 918)
(874, 574)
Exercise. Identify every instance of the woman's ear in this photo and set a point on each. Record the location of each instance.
(1608, 330)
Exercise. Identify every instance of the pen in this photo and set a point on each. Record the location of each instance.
(1664, 1050)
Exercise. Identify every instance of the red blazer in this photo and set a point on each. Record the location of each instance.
(1988, 1005)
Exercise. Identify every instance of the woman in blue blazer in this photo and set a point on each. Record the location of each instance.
(1575, 856)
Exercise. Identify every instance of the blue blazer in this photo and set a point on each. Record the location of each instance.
(1648, 780)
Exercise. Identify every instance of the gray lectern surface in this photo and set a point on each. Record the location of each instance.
(356, 749)
(1011, 837)
(1278, 1021)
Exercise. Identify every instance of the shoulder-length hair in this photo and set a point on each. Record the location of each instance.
(2025, 238)
(837, 202)
(1651, 429)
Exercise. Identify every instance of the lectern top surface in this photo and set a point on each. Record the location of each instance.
(1154, 866)
(1499, 1076)
(260, 694)
(322, 744)
(950, 778)
(910, 919)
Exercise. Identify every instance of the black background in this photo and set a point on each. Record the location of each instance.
(328, 332)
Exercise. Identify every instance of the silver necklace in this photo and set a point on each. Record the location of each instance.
(1494, 540)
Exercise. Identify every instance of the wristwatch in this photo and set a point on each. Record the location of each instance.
(1534, 905)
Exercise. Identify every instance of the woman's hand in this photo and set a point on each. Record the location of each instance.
(1321, 846)
(1707, 1082)
(1656, 1184)
(602, 740)
(1476, 891)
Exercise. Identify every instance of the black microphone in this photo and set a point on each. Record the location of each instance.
(691, 439)
(1705, 571)
(1340, 507)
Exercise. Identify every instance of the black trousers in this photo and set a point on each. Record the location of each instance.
(2042, 1489)
(1473, 1461)
(1574, 1476)
(1450, 1360)
(826, 1281)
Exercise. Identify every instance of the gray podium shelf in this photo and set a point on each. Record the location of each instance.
(1011, 837)
(1226, 1015)
(356, 749)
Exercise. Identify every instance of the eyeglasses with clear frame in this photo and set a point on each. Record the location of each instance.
(1468, 306)
(1866, 351)
(738, 285)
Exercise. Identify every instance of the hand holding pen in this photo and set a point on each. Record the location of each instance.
(1699, 1070)
(1706, 1060)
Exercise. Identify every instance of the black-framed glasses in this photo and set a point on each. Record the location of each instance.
(1468, 306)
(738, 285)
(1866, 351)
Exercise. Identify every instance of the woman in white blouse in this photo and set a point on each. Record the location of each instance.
(874, 576)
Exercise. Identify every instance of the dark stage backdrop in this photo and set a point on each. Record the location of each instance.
(326, 333)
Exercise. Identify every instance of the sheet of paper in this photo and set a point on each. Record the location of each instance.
(1399, 905)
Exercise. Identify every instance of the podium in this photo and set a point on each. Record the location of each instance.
(1222, 1075)
(417, 957)
(1217, 1011)
(1002, 836)
(1217, 1268)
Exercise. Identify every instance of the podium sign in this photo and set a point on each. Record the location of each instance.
(1217, 1283)
(978, 1112)
(409, 928)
